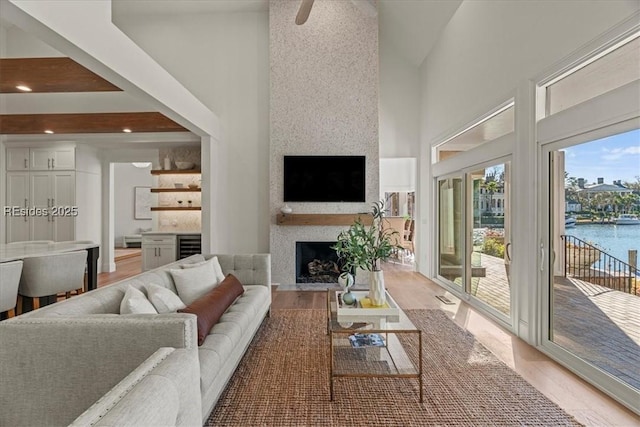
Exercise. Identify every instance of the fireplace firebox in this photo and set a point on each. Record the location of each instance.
(316, 262)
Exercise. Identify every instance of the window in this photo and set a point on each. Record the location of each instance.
(494, 126)
(613, 69)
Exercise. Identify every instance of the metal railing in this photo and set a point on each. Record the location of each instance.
(591, 264)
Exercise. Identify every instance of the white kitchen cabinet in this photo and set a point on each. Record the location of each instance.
(63, 199)
(57, 184)
(40, 200)
(55, 192)
(158, 250)
(43, 194)
(17, 197)
(17, 159)
(56, 158)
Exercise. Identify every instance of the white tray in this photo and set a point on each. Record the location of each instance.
(357, 313)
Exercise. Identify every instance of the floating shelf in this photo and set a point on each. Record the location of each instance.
(323, 219)
(176, 190)
(175, 208)
(174, 171)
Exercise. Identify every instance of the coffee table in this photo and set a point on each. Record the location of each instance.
(379, 349)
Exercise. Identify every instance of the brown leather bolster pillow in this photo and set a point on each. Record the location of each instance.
(211, 306)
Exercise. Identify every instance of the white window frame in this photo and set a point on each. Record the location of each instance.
(611, 113)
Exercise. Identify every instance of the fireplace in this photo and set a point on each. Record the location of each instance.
(316, 262)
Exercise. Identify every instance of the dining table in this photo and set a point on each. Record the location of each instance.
(21, 250)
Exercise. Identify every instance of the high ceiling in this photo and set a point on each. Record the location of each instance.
(65, 94)
(410, 26)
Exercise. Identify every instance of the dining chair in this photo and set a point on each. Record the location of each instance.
(408, 243)
(396, 224)
(31, 242)
(9, 280)
(50, 275)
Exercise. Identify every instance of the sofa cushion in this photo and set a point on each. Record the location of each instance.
(163, 299)
(134, 302)
(192, 283)
(214, 263)
(210, 307)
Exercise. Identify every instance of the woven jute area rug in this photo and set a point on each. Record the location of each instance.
(283, 380)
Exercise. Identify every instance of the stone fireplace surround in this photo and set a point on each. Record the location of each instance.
(283, 256)
(307, 252)
(323, 101)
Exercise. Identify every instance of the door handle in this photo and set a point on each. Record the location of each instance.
(53, 163)
(541, 256)
(507, 251)
(26, 164)
(159, 252)
(48, 163)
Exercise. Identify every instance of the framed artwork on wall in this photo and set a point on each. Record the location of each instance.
(142, 203)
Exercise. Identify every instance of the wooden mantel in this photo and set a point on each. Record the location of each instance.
(323, 219)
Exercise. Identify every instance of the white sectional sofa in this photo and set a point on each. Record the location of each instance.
(81, 360)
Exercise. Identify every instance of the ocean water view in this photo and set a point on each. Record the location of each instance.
(616, 240)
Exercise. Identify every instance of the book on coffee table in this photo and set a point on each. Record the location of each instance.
(366, 340)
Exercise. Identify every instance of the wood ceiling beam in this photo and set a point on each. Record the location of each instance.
(21, 124)
(44, 75)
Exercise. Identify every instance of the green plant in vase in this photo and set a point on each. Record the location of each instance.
(365, 247)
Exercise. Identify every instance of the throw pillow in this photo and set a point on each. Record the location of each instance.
(134, 302)
(210, 307)
(163, 299)
(192, 283)
(214, 262)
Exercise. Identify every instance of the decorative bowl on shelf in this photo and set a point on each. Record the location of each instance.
(193, 186)
(185, 165)
(178, 185)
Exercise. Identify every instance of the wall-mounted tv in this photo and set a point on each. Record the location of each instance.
(324, 178)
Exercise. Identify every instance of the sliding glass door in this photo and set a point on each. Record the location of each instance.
(451, 228)
(473, 235)
(594, 237)
(490, 256)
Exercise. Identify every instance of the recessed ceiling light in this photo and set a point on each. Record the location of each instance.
(48, 131)
(141, 165)
(23, 88)
(126, 130)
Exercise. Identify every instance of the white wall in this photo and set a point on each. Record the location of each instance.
(397, 175)
(126, 178)
(488, 47)
(399, 103)
(23, 45)
(224, 60)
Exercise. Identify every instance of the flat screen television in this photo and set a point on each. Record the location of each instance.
(324, 178)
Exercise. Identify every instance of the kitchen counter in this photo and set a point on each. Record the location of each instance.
(169, 233)
(162, 247)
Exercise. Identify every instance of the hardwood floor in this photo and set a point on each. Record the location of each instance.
(413, 291)
(121, 253)
(126, 267)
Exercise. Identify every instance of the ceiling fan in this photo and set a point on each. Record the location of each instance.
(368, 6)
(304, 11)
